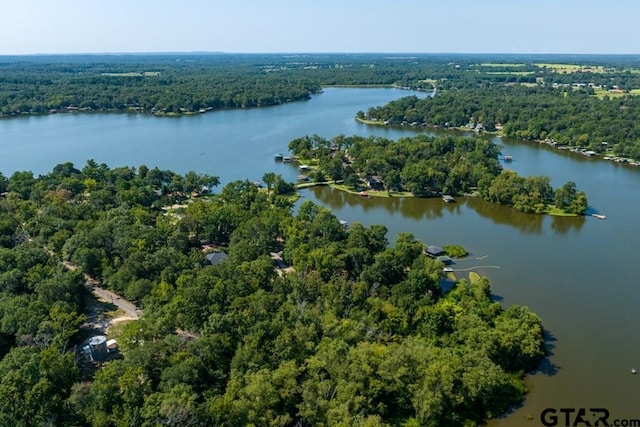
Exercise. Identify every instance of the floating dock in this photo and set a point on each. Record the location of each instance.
(448, 199)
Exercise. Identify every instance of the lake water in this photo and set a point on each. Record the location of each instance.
(581, 275)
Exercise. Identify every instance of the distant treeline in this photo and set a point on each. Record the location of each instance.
(487, 89)
(182, 84)
(568, 116)
(192, 82)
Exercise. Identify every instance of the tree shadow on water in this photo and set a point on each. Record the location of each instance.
(546, 366)
(563, 225)
(496, 297)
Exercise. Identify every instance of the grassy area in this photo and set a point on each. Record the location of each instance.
(372, 193)
(304, 185)
(473, 277)
(601, 93)
(510, 73)
(558, 212)
(116, 328)
(571, 68)
(312, 163)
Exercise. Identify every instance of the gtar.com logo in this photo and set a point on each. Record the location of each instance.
(585, 417)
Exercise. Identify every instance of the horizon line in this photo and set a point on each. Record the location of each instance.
(205, 52)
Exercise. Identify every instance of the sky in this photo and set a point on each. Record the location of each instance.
(306, 26)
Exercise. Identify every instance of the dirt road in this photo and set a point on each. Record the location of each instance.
(132, 312)
(111, 297)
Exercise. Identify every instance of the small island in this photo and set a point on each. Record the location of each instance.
(425, 166)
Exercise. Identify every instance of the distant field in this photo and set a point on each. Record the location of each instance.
(510, 73)
(571, 68)
(498, 64)
(131, 74)
(601, 93)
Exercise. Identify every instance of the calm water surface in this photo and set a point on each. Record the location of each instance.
(579, 274)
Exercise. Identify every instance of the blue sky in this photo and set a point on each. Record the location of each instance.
(487, 26)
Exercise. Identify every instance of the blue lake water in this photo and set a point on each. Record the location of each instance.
(579, 274)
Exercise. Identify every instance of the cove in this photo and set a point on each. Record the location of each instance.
(580, 275)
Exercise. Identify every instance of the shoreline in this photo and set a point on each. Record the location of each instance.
(383, 194)
(609, 156)
(140, 110)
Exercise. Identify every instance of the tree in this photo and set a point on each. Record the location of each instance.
(269, 179)
(393, 180)
(520, 339)
(3, 183)
(569, 199)
(22, 183)
(579, 204)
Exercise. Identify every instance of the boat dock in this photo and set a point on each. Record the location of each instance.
(448, 199)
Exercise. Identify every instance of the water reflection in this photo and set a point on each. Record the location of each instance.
(547, 367)
(413, 208)
(527, 223)
(563, 224)
(435, 208)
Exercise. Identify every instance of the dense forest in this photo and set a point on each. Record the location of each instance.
(305, 323)
(432, 166)
(578, 100)
(181, 84)
(565, 115)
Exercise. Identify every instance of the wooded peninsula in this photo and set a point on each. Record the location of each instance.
(427, 166)
(296, 320)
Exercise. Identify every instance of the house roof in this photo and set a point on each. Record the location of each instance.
(446, 260)
(215, 258)
(434, 250)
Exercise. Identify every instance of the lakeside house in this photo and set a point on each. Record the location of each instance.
(374, 182)
(434, 251)
(215, 258)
